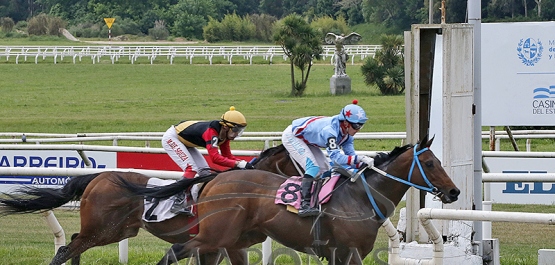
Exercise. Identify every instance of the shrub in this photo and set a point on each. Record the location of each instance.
(43, 25)
(21, 25)
(76, 30)
(85, 30)
(38, 25)
(213, 31)
(231, 28)
(264, 25)
(159, 32)
(237, 28)
(116, 30)
(91, 32)
(129, 26)
(54, 26)
(7, 24)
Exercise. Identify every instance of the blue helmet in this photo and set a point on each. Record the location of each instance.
(353, 113)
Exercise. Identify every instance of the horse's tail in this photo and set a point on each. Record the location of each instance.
(161, 192)
(29, 199)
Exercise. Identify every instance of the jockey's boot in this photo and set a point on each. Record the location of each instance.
(189, 204)
(306, 191)
(180, 205)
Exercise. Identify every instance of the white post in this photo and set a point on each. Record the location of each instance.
(124, 251)
(486, 226)
(266, 251)
(59, 235)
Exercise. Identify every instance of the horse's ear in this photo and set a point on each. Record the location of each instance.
(429, 142)
(425, 142)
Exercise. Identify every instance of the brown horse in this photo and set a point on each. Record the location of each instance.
(108, 215)
(277, 160)
(237, 208)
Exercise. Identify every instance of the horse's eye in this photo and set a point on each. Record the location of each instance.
(429, 163)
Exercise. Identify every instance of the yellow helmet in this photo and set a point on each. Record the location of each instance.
(233, 118)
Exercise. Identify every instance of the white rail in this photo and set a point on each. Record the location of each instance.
(168, 53)
(425, 216)
(250, 136)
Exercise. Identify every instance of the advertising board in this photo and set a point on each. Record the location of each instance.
(71, 159)
(518, 74)
(522, 192)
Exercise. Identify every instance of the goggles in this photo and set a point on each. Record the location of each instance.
(357, 126)
(238, 130)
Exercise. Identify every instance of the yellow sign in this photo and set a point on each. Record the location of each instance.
(109, 21)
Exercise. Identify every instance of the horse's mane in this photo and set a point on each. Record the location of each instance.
(378, 160)
(399, 150)
(269, 152)
(382, 158)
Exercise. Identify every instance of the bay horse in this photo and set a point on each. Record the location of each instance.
(108, 215)
(237, 208)
(277, 160)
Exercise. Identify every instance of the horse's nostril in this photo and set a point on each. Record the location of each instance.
(454, 192)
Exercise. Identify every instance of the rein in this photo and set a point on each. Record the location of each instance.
(431, 189)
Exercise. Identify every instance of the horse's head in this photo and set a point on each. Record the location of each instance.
(427, 173)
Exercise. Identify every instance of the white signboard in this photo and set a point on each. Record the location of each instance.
(522, 192)
(518, 74)
(46, 159)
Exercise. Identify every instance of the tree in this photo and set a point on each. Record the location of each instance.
(190, 16)
(386, 69)
(301, 44)
(7, 24)
(393, 13)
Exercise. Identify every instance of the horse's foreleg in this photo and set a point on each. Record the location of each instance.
(235, 257)
(178, 252)
(238, 257)
(175, 253)
(61, 256)
(77, 259)
(73, 250)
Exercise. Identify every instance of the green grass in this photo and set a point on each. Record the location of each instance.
(67, 98)
(26, 239)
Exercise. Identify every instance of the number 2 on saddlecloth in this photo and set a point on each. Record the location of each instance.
(148, 215)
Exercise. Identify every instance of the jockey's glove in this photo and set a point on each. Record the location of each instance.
(244, 165)
(367, 160)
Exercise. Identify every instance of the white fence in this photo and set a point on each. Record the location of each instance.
(168, 53)
(268, 137)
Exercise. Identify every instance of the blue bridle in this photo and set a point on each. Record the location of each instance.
(431, 188)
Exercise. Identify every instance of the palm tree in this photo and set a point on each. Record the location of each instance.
(301, 44)
(386, 69)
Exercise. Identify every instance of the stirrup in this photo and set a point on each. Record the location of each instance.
(185, 210)
(188, 211)
(305, 212)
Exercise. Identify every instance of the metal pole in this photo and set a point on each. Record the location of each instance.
(475, 18)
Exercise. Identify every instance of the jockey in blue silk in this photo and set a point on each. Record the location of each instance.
(305, 137)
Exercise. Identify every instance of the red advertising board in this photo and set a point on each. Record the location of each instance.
(158, 161)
